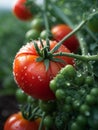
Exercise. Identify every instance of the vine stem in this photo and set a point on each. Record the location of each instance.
(46, 18)
(41, 123)
(69, 35)
(85, 58)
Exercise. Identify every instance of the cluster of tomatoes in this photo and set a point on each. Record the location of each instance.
(50, 79)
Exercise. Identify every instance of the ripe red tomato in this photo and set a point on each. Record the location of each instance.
(32, 75)
(17, 122)
(61, 30)
(20, 10)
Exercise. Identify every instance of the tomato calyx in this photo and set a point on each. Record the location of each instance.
(45, 54)
(29, 112)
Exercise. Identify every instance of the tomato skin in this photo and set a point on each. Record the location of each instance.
(61, 30)
(17, 122)
(20, 10)
(32, 76)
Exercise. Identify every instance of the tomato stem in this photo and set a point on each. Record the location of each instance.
(46, 19)
(41, 123)
(84, 21)
(77, 56)
(69, 35)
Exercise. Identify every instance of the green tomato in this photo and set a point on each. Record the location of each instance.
(89, 80)
(79, 79)
(93, 23)
(32, 34)
(75, 126)
(81, 120)
(68, 99)
(76, 105)
(43, 34)
(37, 24)
(21, 96)
(47, 106)
(85, 109)
(60, 94)
(90, 99)
(68, 71)
(48, 121)
(53, 86)
(94, 92)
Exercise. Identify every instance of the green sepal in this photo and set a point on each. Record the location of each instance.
(37, 48)
(58, 60)
(46, 62)
(39, 59)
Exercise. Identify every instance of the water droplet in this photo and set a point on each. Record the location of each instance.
(22, 78)
(16, 74)
(25, 74)
(25, 67)
(94, 10)
(87, 113)
(33, 77)
(40, 79)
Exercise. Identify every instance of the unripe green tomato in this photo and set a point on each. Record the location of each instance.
(53, 86)
(60, 94)
(48, 121)
(79, 79)
(68, 99)
(90, 99)
(81, 120)
(21, 96)
(32, 34)
(94, 92)
(76, 105)
(85, 109)
(43, 34)
(75, 126)
(68, 71)
(37, 24)
(47, 106)
(60, 81)
(89, 80)
(93, 23)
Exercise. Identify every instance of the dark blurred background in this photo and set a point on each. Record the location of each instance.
(12, 33)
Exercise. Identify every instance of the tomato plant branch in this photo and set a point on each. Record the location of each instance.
(83, 45)
(61, 15)
(41, 123)
(69, 35)
(77, 56)
(46, 18)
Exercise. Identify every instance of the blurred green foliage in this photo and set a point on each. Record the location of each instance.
(12, 35)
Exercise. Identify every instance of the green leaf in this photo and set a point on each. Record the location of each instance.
(39, 59)
(58, 60)
(37, 48)
(46, 62)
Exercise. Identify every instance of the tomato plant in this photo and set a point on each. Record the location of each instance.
(33, 76)
(21, 11)
(17, 122)
(61, 30)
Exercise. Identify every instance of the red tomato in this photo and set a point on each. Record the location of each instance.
(17, 122)
(32, 75)
(20, 10)
(61, 30)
